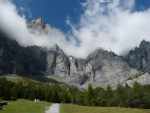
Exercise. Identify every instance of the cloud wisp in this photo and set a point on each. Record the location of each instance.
(108, 24)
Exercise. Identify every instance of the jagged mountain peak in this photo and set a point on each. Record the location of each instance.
(101, 53)
(38, 25)
(144, 44)
(56, 48)
(39, 21)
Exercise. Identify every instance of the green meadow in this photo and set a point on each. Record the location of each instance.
(67, 108)
(25, 106)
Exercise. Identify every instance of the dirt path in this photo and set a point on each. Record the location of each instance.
(54, 108)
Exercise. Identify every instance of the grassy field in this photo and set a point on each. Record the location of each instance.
(80, 109)
(28, 78)
(25, 106)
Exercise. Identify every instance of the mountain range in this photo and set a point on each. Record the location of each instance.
(100, 68)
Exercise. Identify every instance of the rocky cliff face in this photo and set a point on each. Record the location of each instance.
(139, 58)
(108, 68)
(100, 68)
(57, 62)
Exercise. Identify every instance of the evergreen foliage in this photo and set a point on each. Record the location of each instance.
(124, 96)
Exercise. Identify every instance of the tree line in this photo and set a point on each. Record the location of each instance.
(137, 96)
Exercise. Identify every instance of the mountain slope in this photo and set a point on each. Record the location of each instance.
(100, 68)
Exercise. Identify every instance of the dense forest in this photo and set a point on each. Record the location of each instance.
(138, 96)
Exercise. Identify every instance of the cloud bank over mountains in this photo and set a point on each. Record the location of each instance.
(17, 26)
(109, 24)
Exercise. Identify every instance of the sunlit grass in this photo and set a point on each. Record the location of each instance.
(25, 106)
(65, 108)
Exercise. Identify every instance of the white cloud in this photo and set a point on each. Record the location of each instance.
(16, 26)
(113, 27)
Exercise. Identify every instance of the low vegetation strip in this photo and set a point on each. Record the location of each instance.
(123, 96)
(67, 108)
(25, 106)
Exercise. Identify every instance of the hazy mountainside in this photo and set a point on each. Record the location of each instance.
(100, 68)
(22, 60)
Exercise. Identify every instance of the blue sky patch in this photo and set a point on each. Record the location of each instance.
(56, 12)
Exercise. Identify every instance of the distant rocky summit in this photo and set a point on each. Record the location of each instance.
(100, 68)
